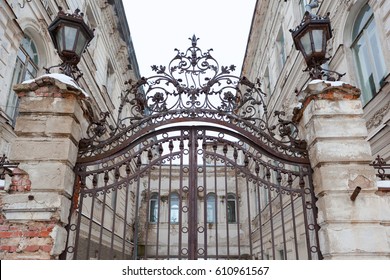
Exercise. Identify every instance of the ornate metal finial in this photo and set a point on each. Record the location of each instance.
(194, 40)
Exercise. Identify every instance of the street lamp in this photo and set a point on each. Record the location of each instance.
(310, 38)
(71, 36)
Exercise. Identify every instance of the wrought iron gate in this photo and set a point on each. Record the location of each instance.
(193, 169)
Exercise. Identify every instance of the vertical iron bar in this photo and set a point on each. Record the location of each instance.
(235, 155)
(102, 224)
(205, 243)
(181, 148)
(249, 219)
(279, 180)
(125, 214)
(114, 215)
(137, 220)
(260, 223)
(81, 197)
(290, 181)
(315, 212)
(271, 214)
(215, 146)
(192, 220)
(226, 203)
(90, 225)
(169, 205)
(148, 222)
(307, 235)
(159, 207)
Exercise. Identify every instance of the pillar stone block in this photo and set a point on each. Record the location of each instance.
(48, 129)
(331, 121)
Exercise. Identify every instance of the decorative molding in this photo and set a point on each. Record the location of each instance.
(377, 119)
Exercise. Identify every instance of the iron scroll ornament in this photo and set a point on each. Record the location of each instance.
(194, 87)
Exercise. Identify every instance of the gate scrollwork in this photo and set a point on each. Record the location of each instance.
(194, 87)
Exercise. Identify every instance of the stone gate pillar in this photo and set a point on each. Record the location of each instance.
(35, 211)
(332, 124)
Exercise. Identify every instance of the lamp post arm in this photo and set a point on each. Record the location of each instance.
(313, 4)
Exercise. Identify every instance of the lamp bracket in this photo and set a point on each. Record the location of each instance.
(68, 69)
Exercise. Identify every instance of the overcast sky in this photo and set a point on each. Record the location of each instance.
(159, 26)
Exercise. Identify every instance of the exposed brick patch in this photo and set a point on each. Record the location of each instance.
(26, 241)
(20, 181)
(31, 248)
(46, 248)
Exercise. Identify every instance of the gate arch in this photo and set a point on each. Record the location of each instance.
(193, 168)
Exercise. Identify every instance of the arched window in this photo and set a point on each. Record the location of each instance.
(174, 208)
(368, 54)
(26, 67)
(211, 208)
(231, 208)
(153, 208)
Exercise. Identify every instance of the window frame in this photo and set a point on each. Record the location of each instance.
(231, 200)
(155, 209)
(211, 206)
(371, 81)
(26, 67)
(174, 197)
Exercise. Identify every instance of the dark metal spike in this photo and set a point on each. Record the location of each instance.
(160, 149)
(225, 149)
(117, 173)
(106, 177)
(171, 145)
(95, 180)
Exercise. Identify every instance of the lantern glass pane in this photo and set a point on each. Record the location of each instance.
(70, 38)
(305, 41)
(59, 37)
(81, 44)
(318, 40)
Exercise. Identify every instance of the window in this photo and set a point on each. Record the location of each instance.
(153, 208)
(110, 78)
(174, 208)
(281, 52)
(114, 196)
(368, 54)
(231, 208)
(267, 82)
(211, 208)
(281, 254)
(26, 67)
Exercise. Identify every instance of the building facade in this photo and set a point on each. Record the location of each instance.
(26, 50)
(359, 48)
